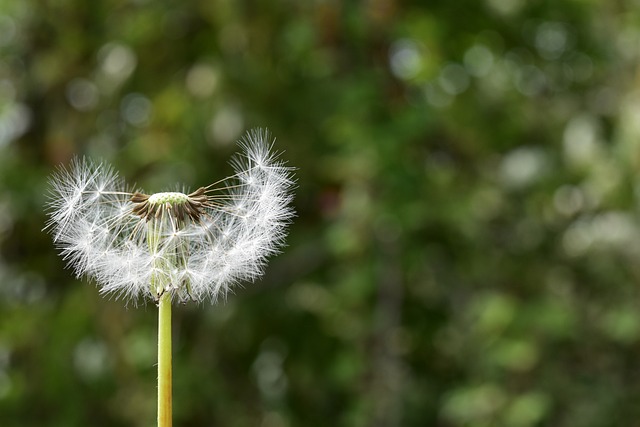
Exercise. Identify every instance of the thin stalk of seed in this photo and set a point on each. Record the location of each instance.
(164, 330)
(164, 361)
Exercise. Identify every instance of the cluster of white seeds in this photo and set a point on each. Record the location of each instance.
(193, 245)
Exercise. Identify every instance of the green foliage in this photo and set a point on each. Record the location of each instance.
(466, 246)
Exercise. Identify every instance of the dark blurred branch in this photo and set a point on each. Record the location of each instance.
(386, 380)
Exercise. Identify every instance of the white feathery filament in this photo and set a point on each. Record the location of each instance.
(193, 245)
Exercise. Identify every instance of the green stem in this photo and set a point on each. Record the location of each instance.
(164, 361)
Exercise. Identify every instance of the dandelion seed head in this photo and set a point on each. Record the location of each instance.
(195, 245)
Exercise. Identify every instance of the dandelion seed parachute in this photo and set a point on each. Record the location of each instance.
(194, 245)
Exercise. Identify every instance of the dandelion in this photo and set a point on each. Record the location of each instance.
(172, 246)
(193, 245)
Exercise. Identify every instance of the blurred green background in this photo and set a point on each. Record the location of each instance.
(467, 242)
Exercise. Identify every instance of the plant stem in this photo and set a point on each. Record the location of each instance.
(164, 361)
